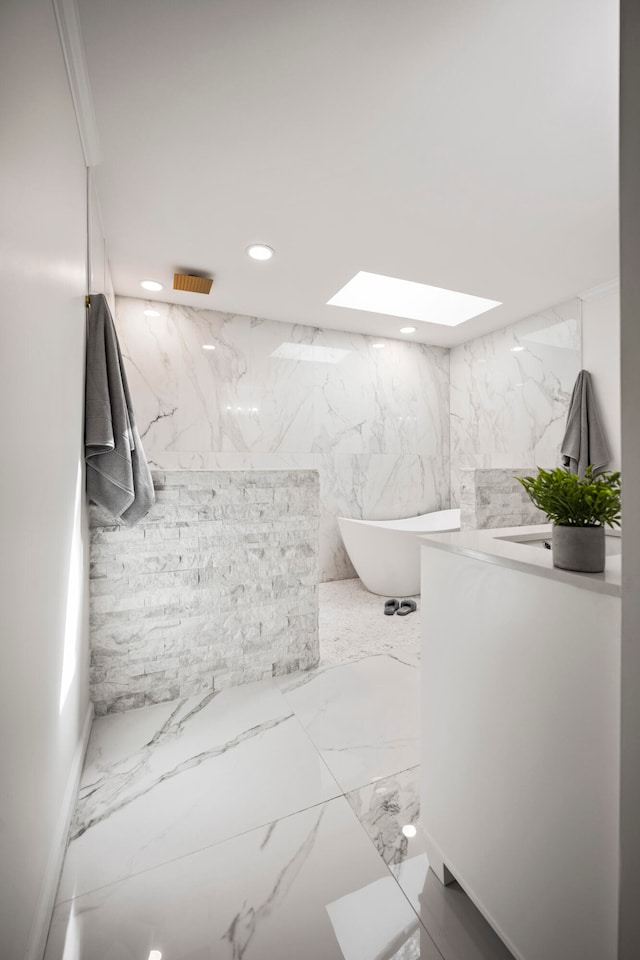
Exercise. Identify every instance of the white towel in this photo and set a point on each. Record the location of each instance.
(584, 441)
(118, 476)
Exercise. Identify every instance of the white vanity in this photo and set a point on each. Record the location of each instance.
(520, 764)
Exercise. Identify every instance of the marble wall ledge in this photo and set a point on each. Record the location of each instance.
(498, 547)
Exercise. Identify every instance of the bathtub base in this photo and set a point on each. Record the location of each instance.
(386, 553)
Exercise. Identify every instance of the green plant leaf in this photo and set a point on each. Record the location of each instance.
(569, 501)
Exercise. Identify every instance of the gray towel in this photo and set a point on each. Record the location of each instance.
(118, 476)
(584, 441)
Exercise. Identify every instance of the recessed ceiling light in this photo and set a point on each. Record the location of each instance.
(409, 830)
(208, 346)
(413, 301)
(407, 329)
(378, 346)
(259, 251)
(516, 349)
(152, 313)
(151, 285)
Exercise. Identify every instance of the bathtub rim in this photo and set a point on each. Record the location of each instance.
(408, 524)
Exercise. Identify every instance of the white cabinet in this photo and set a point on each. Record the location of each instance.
(520, 684)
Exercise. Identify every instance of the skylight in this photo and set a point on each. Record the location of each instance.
(409, 300)
(307, 351)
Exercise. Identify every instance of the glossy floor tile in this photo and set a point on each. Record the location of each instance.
(270, 821)
(170, 779)
(310, 886)
(389, 811)
(363, 716)
(458, 929)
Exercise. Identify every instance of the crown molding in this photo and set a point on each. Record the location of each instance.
(70, 31)
(598, 291)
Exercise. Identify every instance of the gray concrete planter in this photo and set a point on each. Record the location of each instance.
(578, 548)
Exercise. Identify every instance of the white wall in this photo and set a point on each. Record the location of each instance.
(601, 357)
(100, 280)
(629, 947)
(43, 652)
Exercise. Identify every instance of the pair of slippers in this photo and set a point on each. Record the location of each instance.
(401, 607)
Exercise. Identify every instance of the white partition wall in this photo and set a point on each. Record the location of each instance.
(44, 650)
(630, 338)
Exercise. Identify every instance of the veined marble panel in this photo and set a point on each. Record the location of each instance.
(374, 487)
(362, 736)
(389, 811)
(193, 772)
(310, 885)
(386, 401)
(374, 423)
(510, 392)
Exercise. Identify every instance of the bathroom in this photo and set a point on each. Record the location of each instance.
(305, 410)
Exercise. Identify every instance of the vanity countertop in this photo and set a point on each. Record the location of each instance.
(499, 547)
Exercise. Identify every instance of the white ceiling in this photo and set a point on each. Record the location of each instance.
(464, 144)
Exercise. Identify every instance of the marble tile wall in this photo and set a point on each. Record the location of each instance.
(218, 585)
(510, 393)
(494, 498)
(373, 423)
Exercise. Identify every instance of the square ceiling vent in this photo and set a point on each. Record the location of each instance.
(186, 281)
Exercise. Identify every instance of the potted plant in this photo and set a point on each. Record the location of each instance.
(579, 510)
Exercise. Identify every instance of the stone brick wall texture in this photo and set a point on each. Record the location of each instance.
(494, 498)
(217, 586)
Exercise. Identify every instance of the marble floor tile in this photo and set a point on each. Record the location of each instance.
(386, 809)
(363, 716)
(353, 624)
(389, 810)
(308, 886)
(164, 781)
(215, 827)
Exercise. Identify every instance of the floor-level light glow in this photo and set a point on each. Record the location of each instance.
(260, 251)
(151, 285)
(74, 597)
(378, 346)
(309, 353)
(208, 346)
(413, 301)
(409, 830)
(516, 349)
(72, 949)
(152, 313)
(407, 329)
(155, 955)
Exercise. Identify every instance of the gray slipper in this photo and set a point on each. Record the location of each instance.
(407, 606)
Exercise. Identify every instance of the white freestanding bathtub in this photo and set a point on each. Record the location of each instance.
(386, 553)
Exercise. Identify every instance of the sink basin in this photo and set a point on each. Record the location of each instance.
(613, 542)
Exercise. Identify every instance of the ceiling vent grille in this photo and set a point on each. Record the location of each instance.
(185, 281)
